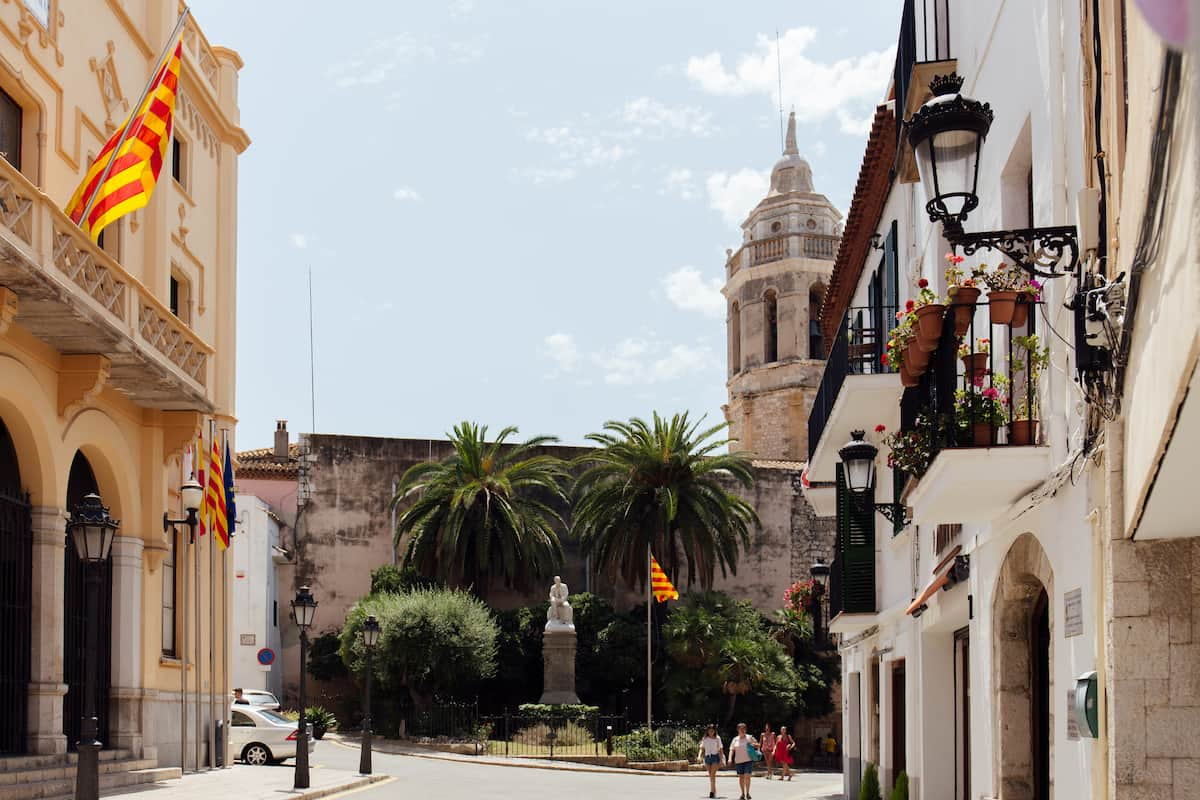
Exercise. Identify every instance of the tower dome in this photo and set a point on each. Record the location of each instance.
(791, 173)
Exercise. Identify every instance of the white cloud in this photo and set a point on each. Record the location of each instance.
(467, 51)
(734, 194)
(654, 119)
(578, 149)
(680, 183)
(562, 350)
(461, 8)
(299, 241)
(646, 361)
(540, 175)
(846, 89)
(379, 60)
(687, 289)
(407, 193)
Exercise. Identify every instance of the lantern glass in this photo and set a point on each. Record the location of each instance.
(858, 461)
(92, 530)
(192, 494)
(304, 608)
(948, 162)
(371, 631)
(820, 572)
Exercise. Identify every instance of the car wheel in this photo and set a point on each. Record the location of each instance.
(256, 754)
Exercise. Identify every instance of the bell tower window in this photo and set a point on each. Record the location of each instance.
(770, 327)
(735, 339)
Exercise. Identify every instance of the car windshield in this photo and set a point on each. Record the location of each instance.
(262, 698)
(278, 719)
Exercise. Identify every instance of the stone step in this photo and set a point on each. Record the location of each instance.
(65, 771)
(113, 775)
(24, 763)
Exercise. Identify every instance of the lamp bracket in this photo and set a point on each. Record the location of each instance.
(893, 512)
(1042, 252)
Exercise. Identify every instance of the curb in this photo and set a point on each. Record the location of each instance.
(352, 786)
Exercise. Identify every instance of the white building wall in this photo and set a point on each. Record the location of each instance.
(255, 623)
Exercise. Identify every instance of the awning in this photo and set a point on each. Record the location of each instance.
(941, 577)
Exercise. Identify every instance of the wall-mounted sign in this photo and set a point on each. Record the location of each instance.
(266, 656)
(248, 640)
(1073, 613)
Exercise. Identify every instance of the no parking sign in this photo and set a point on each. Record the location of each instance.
(266, 657)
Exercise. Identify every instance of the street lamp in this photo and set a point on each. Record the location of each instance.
(858, 462)
(192, 494)
(92, 531)
(820, 574)
(947, 136)
(370, 637)
(304, 608)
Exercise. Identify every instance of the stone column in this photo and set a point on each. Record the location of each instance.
(125, 696)
(46, 687)
(558, 657)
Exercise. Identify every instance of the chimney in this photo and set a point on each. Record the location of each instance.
(281, 439)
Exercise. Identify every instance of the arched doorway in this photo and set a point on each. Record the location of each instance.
(16, 568)
(1023, 637)
(81, 482)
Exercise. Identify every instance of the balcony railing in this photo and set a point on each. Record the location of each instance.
(924, 37)
(857, 349)
(76, 298)
(977, 385)
(788, 245)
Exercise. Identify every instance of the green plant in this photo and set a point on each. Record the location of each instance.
(663, 486)
(542, 734)
(900, 790)
(927, 296)
(320, 719)
(983, 346)
(1031, 358)
(869, 788)
(912, 450)
(324, 661)
(1002, 278)
(900, 336)
(487, 511)
(390, 579)
(663, 744)
(956, 276)
(433, 642)
(290, 713)
(552, 711)
(980, 405)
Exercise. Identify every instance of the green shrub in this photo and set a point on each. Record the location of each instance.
(869, 788)
(664, 744)
(319, 717)
(324, 660)
(552, 711)
(900, 790)
(539, 735)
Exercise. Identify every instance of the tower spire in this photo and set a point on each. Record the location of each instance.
(789, 145)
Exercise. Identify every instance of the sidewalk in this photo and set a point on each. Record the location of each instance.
(249, 783)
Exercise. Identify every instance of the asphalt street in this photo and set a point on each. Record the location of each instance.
(452, 780)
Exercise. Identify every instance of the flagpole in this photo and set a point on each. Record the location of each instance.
(87, 209)
(649, 674)
(225, 628)
(183, 650)
(212, 634)
(199, 627)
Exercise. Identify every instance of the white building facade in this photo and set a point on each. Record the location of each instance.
(968, 593)
(255, 624)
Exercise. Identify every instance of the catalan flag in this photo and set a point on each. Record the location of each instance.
(125, 172)
(214, 498)
(660, 584)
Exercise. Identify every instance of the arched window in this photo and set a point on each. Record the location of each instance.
(770, 327)
(816, 344)
(735, 339)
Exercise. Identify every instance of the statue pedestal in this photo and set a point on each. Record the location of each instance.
(558, 659)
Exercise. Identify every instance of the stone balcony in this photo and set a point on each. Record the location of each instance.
(67, 292)
(777, 248)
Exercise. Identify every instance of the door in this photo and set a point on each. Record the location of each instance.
(962, 713)
(16, 565)
(899, 722)
(82, 481)
(1039, 695)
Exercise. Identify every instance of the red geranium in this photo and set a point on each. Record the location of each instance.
(923, 283)
(880, 428)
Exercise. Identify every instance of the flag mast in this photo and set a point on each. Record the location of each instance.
(212, 633)
(87, 208)
(649, 674)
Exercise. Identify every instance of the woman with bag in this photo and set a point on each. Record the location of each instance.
(743, 752)
(713, 754)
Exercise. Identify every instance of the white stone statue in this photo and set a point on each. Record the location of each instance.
(559, 615)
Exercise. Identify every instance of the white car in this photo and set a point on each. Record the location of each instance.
(261, 699)
(261, 736)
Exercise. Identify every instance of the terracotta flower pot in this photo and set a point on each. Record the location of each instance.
(907, 379)
(917, 358)
(1021, 311)
(1002, 306)
(963, 302)
(1023, 432)
(929, 325)
(983, 434)
(975, 364)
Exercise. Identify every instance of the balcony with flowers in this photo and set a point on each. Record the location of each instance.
(969, 436)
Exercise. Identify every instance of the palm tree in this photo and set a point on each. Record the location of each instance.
(663, 486)
(485, 512)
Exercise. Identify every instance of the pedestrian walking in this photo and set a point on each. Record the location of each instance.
(767, 738)
(712, 751)
(742, 751)
(784, 745)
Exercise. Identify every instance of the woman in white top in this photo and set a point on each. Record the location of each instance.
(712, 752)
(743, 762)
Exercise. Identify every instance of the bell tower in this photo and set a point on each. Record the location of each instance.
(774, 284)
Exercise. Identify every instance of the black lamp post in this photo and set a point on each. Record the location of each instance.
(370, 636)
(820, 574)
(92, 531)
(304, 608)
(858, 460)
(947, 136)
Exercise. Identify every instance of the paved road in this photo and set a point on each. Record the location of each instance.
(448, 780)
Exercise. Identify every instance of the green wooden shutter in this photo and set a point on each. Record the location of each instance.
(856, 550)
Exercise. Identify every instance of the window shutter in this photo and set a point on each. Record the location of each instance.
(856, 550)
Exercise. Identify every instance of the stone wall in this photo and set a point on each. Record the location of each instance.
(1154, 658)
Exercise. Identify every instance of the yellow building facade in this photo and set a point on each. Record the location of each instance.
(113, 358)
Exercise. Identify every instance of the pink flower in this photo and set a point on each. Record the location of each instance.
(991, 393)
(923, 283)
(880, 428)
(899, 315)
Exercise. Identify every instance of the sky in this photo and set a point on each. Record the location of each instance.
(516, 212)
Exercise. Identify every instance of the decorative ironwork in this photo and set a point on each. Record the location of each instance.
(1042, 252)
(895, 513)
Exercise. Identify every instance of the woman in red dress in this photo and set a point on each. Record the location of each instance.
(784, 744)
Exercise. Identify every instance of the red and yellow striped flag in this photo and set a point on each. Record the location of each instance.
(214, 497)
(135, 167)
(660, 584)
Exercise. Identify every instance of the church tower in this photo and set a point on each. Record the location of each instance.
(774, 284)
